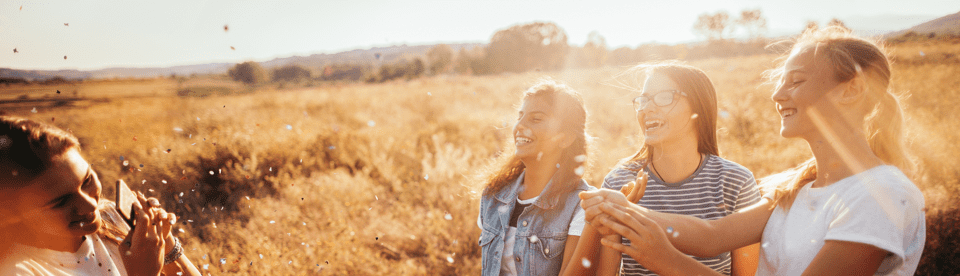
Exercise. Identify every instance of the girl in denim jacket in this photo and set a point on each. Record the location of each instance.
(530, 213)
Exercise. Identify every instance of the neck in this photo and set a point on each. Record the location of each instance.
(536, 176)
(675, 163)
(38, 240)
(841, 154)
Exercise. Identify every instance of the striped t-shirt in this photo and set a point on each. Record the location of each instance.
(718, 188)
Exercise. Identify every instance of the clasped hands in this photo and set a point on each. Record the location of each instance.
(614, 214)
(144, 247)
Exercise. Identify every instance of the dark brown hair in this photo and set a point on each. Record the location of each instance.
(28, 148)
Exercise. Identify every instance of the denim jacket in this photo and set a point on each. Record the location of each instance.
(541, 229)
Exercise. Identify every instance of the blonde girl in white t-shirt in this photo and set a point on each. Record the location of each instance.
(54, 222)
(851, 210)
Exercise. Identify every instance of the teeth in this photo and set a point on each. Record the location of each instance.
(788, 112)
(653, 124)
(523, 140)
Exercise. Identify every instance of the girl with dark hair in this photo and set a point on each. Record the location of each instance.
(530, 214)
(678, 167)
(851, 210)
(54, 222)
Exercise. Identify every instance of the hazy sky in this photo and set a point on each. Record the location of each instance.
(134, 33)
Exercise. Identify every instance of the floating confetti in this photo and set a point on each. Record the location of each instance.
(231, 48)
(141, 165)
(450, 259)
(669, 229)
(15, 50)
(558, 165)
(58, 91)
(223, 260)
(724, 114)
(426, 177)
(126, 163)
(922, 54)
(64, 57)
(694, 116)
(580, 158)
(272, 222)
(585, 262)
(428, 94)
(34, 110)
(164, 181)
(371, 123)
(66, 24)
(448, 216)
(226, 28)
(579, 171)
(261, 256)
(676, 233)
(289, 127)
(211, 172)
(206, 266)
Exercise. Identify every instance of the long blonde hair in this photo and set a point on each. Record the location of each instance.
(701, 94)
(573, 117)
(850, 57)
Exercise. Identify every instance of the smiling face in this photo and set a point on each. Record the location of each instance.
(538, 133)
(61, 203)
(803, 96)
(670, 123)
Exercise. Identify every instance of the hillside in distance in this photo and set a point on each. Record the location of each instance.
(386, 54)
(946, 25)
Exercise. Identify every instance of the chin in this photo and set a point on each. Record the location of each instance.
(88, 228)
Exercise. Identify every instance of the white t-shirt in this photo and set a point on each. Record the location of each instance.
(880, 207)
(508, 264)
(95, 257)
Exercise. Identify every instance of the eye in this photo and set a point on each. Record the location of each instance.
(62, 202)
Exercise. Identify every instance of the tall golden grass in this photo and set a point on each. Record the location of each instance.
(379, 179)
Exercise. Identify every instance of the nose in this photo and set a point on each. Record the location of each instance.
(86, 203)
(779, 94)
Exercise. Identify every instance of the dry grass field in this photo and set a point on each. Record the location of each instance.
(378, 179)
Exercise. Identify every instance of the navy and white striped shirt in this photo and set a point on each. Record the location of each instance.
(718, 188)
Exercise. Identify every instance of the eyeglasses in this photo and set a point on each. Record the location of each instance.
(661, 99)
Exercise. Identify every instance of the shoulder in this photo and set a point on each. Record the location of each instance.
(729, 170)
(622, 174)
(885, 184)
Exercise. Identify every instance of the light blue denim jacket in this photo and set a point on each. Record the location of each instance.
(541, 229)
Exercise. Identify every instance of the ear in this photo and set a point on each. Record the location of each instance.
(853, 90)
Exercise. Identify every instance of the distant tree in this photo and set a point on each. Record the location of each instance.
(471, 61)
(594, 52)
(753, 22)
(538, 45)
(291, 73)
(838, 23)
(440, 57)
(713, 26)
(248, 72)
(811, 25)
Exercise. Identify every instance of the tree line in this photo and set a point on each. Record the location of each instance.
(538, 46)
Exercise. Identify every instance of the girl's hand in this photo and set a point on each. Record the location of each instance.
(646, 237)
(143, 249)
(635, 189)
(591, 200)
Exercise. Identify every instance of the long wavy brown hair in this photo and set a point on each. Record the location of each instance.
(573, 114)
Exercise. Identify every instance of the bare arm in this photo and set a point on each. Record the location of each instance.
(744, 260)
(846, 258)
(693, 235)
(599, 260)
(568, 250)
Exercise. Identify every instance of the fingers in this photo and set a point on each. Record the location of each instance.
(627, 189)
(630, 232)
(616, 245)
(639, 187)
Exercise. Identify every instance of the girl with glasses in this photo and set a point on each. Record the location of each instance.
(851, 210)
(530, 213)
(54, 222)
(679, 168)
